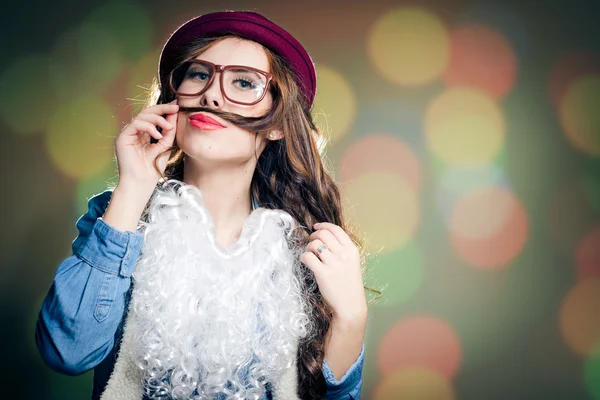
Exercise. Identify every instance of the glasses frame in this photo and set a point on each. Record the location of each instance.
(222, 68)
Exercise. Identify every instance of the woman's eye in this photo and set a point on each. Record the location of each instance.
(244, 83)
(203, 76)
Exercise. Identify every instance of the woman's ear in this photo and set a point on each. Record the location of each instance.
(275, 134)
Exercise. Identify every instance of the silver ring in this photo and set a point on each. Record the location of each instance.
(321, 248)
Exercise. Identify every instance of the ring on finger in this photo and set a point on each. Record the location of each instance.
(321, 248)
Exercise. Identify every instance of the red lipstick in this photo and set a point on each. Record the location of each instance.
(203, 121)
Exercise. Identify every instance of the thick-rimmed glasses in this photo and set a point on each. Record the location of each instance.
(239, 83)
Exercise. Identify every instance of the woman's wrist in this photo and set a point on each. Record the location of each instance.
(126, 206)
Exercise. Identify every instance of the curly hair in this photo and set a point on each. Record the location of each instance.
(290, 175)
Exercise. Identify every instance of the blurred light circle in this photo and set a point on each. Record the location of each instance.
(420, 341)
(28, 98)
(402, 272)
(464, 127)
(482, 212)
(84, 60)
(587, 256)
(591, 373)
(130, 23)
(481, 57)
(502, 17)
(455, 181)
(409, 46)
(414, 383)
(380, 152)
(94, 184)
(571, 66)
(141, 77)
(579, 114)
(489, 227)
(579, 322)
(384, 206)
(81, 137)
(334, 109)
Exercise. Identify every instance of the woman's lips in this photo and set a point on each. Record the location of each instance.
(205, 122)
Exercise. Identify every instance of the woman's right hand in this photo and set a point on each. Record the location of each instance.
(136, 155)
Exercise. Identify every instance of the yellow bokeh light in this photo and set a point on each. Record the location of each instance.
(409, 46)
(385, 207)
(579, 114)
(141, 77)
(334, 109)
(414, 383)
(579, 320)
(464, 127)
(81, 136)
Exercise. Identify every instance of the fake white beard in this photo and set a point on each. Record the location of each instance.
(210, 320)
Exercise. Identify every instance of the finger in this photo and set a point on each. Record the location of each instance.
(145, 126)
(326, 237)
(160, 109)
(337, 231)
(312, 262)
(169, 135)
(326, 256)
(156, 120)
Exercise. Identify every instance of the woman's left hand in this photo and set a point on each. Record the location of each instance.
(337, 271)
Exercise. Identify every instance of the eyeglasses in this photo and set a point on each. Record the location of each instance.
(239, 84)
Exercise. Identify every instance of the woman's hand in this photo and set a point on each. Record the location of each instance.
(135, 153)
(337, 271)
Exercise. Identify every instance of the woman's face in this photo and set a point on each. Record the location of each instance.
(229, 144)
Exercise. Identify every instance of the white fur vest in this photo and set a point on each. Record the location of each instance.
(125, 382)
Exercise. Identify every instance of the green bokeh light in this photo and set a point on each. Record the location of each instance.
(28, 98)
(592, 375)
(129, 23)
(401, 271)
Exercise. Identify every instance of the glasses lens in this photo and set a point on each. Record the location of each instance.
(244, 85)
(191, 78)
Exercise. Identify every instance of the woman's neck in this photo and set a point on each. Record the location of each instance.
(226, 194)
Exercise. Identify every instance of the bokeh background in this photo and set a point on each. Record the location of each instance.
(465, 135)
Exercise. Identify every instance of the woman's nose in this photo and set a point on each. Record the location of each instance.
(212, 97)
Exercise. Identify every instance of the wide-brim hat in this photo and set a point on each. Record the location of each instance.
(253, 26)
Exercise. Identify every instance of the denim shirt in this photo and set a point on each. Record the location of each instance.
(79, 326)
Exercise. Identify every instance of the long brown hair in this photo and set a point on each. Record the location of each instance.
(290, 176)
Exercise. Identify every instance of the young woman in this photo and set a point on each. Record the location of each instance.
(203, 274)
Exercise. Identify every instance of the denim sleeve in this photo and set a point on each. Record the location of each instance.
(350, 385)
(83, 308)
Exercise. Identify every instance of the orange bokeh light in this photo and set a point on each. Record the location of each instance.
(481, 57)
(420, 341)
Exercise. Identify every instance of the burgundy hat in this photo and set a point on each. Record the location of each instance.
(253, 26)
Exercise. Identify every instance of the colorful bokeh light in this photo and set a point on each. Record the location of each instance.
(464, 127)
(335, 104)
(489, 227)
(579, 114)
(81, 137)
(402, 271)
(481, 58)
(385, 207)
(414, 383)
(409, 46)
(420, 341)
(380, 152)
(28, 97)
(579, 322)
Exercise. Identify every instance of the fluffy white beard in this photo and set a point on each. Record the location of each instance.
(213, 322)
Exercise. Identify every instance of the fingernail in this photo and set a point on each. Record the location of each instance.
(169, 126)
(317, 224)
